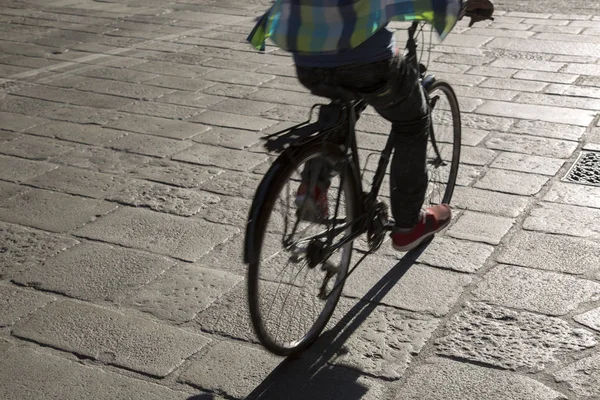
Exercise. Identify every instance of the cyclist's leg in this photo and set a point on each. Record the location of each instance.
(404, 105)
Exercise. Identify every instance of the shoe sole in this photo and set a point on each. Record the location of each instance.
(310, 210)
(418, 242)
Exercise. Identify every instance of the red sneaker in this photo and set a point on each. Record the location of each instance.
(433, 220)
(314, 208)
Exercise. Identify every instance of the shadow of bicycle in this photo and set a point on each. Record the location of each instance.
(311, 376)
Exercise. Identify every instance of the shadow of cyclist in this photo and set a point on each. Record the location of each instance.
(310, 376)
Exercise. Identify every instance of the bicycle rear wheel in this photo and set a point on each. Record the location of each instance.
(290, 298)
(443, 149)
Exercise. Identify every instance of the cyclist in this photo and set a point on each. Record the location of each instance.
(346, 43)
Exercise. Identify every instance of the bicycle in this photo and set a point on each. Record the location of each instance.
(315, 255)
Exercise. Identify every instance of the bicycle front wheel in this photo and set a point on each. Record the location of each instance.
(292, 288)
(443, 149)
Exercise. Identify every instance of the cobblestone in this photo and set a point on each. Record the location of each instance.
(449, 380)
(175, 173)
(543, 292)
(508, 339)
(89, 330)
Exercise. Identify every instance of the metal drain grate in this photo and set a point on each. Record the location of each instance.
(586, 169)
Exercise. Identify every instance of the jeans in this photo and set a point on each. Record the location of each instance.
(392, 87)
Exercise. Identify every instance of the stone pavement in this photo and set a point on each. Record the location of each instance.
(129, 153)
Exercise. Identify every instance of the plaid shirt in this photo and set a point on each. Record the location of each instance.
(328, 26)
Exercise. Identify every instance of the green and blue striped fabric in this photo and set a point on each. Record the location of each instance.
(329, 26)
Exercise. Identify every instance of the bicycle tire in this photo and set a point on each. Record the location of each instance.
(437, 175)
(274, 181)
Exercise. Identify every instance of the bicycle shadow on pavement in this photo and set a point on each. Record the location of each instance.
(310, 376)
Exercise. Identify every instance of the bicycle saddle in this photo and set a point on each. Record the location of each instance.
(478, 10)
(335, 93)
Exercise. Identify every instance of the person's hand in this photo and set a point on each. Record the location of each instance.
(478, 10)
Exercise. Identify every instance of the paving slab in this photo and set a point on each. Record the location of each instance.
(512, 182)
(537, 112)
(230, 368)
(481, 227)
(543, 292)
(8, 190)
(582, 376)
(229, 137)
(23, 248)
(548, 129)
(175, 173)
(144, 346)
(95, 271)
(531, 145)
(439, 379)
(564, 219)
(169, 128)
(386, 342)
(490, 202)
(552, 253)
(79, 182)
(148, 145)
(86, 134)
(591, 319)
(182, 292)
(36, 148)
(507, 339)
(161, 108)
(422, 289)
(17, 169)
(220, 157)
(101, 159)
(178, 237)
(55, 212)
(17, 303)
(575, 194)
(35, 374)
(528, 163)
(164, 198)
